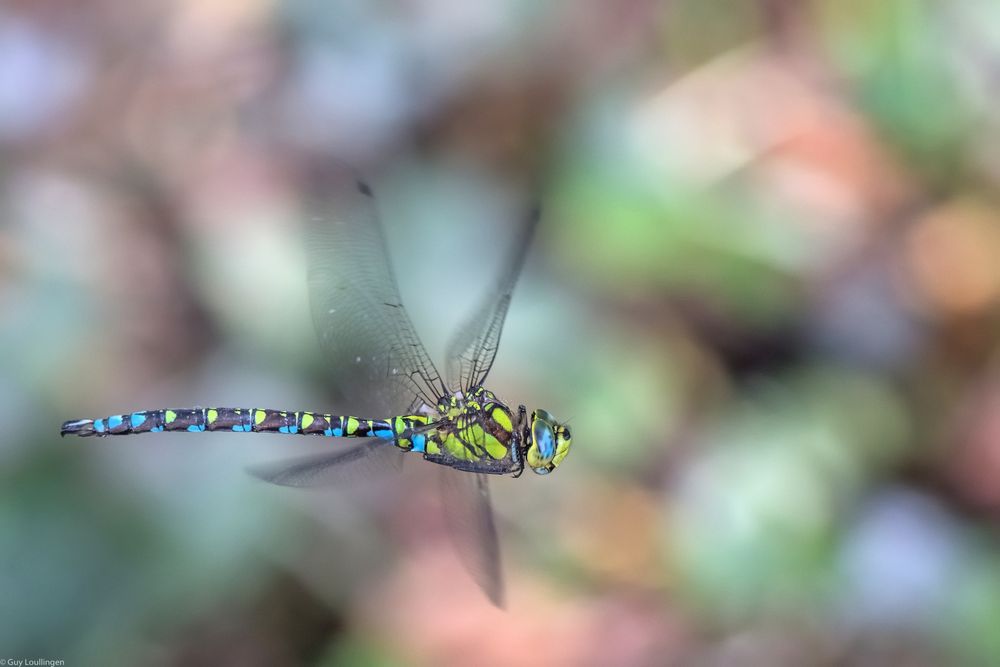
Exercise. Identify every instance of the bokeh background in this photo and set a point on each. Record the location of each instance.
(765, 294)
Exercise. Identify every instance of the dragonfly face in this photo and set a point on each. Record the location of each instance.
(550, 442)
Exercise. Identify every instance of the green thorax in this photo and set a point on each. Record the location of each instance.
(475, 433)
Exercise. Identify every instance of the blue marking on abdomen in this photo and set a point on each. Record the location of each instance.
(384, 434)
(241, 428)
(196, 428)
(99, 425)
(292, 430)
(114, 421)
(137, 419)
(419, 443)
(333, 432)
(156, 429)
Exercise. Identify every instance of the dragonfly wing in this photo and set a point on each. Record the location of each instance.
(378, 362)
(468, 513)
(368, 460)
(472, 351)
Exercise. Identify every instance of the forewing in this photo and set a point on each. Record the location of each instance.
(378, 362)
(472, 351)
(468, 512)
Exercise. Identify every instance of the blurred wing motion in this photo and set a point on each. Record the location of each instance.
(469, 513)
(472, 351)
(369, 459)
(378, 362)
(468, 509)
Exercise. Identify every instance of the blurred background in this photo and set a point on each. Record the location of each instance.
(765, 294)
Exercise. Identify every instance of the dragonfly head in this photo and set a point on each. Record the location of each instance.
(548, 442)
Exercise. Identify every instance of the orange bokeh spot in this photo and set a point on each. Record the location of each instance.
(951, 256)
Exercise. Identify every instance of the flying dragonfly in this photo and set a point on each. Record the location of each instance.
(384, 370)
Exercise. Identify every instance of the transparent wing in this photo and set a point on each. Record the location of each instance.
(469, 516)
(379, 363)
(369, 459)
(472, 351)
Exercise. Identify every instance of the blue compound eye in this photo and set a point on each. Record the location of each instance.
(550, 443)
(543, 442)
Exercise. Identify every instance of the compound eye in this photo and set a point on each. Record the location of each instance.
(543, 415)
(544, 438)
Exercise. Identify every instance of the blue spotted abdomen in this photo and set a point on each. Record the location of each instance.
(256, 420)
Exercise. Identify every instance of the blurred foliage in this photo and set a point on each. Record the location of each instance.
(765, 294)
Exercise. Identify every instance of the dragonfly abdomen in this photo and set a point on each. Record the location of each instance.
(256, 420)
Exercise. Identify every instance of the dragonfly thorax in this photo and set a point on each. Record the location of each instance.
(476, 432)
(483, 434)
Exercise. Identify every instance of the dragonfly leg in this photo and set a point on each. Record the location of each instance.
(519, 441)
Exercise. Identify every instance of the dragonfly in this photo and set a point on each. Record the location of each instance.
(383, 371)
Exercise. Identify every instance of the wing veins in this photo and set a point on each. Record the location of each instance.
(474, 348)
